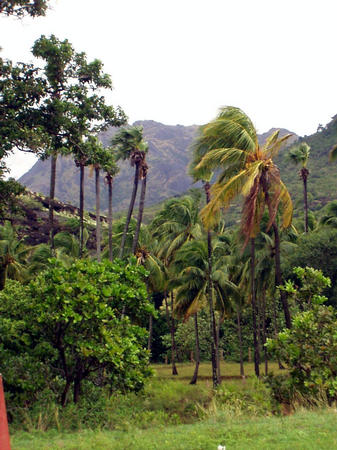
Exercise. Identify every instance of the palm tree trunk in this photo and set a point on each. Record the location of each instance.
(98, 215)
(109, 179)
(3, 275)
(81, 209)
(278, 276)
(173, 341)
(51, 199)
(140, 214)
(210, 298)
(264, 331)
(131, 206)
(218, 372)
(149, 341)
(169, 324)
(197, 350)
(238, 318)
(253, 295)
(304, 175)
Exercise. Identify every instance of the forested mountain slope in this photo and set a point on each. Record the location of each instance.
(168, 160)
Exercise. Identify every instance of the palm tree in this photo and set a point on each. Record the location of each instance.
(192, 274)
(129, 144)
(300, 155)
(13, 255)
(174, 225)
(330, 216)
(199, 150)
(246, 169)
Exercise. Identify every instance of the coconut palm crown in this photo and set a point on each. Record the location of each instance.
(246, 168)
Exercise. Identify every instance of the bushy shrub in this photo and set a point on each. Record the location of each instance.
(309, 351)
(74, 324)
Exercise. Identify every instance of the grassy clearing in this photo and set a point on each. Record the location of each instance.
(304, 430)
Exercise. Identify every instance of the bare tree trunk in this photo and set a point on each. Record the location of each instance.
(278, 276)
(98, 215)
(51, 200)
(218, 351)
(238, 317)
(210, 299)
(109, 179)
(264, 331)
(304, 175)
(131, 206)
(169, 324)
(140, 215)
(197, 350)
(253, 295)
(81, 209)
(173, 341)
(149, 341)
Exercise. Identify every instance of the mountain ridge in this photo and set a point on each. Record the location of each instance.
(168, 159)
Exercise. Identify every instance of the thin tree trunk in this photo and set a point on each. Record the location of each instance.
(149, 341)
(264, 331)
(304, 175)
(218, 351)
(253, 294)
(3, 275)
(169, 325)
(109, 179)
(278, 276)
(131, 206)
(64, 393)
(210, 299)
(238, 317)
(173, 341)
(98, 215)
(140, 215)
(52, 199)
(197, 350)
(81, 209)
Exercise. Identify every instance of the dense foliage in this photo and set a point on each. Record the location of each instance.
(71, 323)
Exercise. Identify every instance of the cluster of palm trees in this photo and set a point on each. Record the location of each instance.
(192, 259)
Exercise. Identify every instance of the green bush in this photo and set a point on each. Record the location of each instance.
(309, 351)
(74, 324)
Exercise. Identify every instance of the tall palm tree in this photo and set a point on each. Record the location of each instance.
(246, 169)
(300, 155)
(129, 144)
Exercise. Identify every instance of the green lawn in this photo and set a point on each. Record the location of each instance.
(171, 414)
(314, 430)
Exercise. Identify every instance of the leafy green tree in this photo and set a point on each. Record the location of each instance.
(20, 8)
(72, 110)
(71, 321)
(300, 155)
(246, 169)
(129, 144)
(309, 349)
(21, 90)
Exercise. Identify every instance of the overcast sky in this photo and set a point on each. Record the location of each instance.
(178, 61)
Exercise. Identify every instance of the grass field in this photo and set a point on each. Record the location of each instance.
(171, 414)
(314, 430)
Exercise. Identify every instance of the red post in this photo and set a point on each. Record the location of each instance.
(4, 433)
